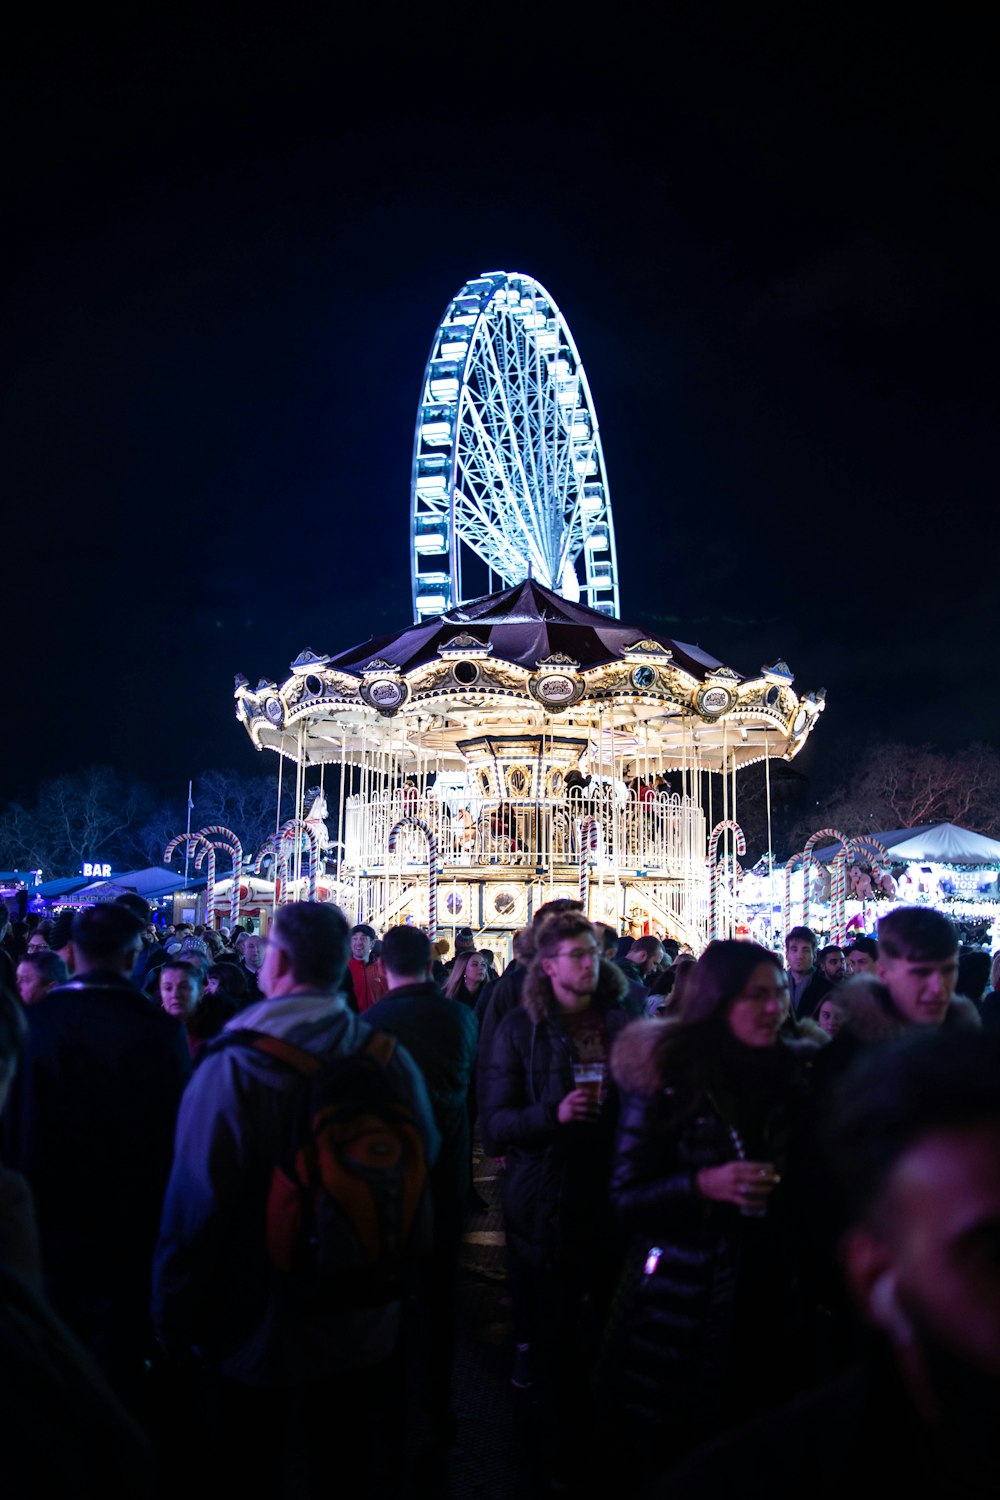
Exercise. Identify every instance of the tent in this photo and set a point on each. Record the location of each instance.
(945, 844)
(933, 843)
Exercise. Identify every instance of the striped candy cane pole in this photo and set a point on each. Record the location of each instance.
(590, 838)
(811, 862)
(789, 871)
(432, 899)
(740, 845)
(174, 844)
(207, 849)
(274, 848)
(838, 897)
(197, 846)
(266, 851)
(876, 853)
(225, 840)
(297, 829)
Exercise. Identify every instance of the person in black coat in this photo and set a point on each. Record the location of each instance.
(90, 1124)
(556, 1135)
(440, 1034)
(702, 1314)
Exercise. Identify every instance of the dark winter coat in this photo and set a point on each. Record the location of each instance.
(555, 1186)
(90, 1124)
(871, 1020)
(440, 1035)
(700, 1279)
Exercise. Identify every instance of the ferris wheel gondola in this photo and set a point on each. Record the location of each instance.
(507, 459)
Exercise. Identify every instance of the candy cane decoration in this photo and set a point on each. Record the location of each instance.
(294, 829)
(858, 846)
(862, 842)
(209, 850)
(838, 897)
(590, 839)
(432, 901)
(810, 860)
(789, 869)
(740, 845)
(275, 848)
(196, 842)
(225, 840)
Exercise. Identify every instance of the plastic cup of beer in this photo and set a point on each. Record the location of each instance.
(589, 1076)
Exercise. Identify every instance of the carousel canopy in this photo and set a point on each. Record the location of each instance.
(527, 661)
(524, 625)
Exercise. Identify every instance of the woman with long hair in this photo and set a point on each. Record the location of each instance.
(702, 1319)
(465, 982)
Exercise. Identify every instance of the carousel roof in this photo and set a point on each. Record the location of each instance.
(525, 625)
(525, 660)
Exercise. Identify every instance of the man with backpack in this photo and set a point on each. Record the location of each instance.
(299, 1178)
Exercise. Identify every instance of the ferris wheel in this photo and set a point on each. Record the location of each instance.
(507, 460)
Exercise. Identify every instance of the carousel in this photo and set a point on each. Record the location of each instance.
(528, 743)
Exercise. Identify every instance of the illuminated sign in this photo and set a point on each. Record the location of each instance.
(97, 872)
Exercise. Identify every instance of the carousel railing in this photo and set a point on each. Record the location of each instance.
(664, 834)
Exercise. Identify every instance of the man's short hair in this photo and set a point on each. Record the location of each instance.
(316, 938)
(369, 932)
(830, 948)
(864, 945)
(607, 939)
(553, 908)
(646, 945)
(917, 933)
(49, 967)
(802, 935)
(406, 951)
(565, 924)
(893, 1095)
(62, 929)
(136, 905)
(105, 933)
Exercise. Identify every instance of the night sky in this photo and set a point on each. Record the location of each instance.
(770, 230)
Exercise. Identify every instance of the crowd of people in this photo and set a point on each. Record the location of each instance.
(750, 1205)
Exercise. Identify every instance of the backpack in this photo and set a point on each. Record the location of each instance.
(348, 1207)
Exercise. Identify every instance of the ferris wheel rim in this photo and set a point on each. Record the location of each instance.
(522, 416)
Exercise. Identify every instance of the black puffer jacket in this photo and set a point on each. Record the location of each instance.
(703, 1296)
(555, 1186)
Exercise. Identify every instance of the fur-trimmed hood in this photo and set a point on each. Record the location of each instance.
(637, 1056)
(870, 1015)
(804, 1039)
(611, 990)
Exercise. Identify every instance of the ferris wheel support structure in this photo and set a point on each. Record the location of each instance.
(507, 458)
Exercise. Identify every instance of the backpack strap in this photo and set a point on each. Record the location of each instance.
(303, 1061)
(380, 1047)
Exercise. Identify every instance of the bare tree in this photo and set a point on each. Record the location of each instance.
(81, 815)
(893, 785)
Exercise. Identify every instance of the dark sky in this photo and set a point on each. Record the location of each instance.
(769, 228)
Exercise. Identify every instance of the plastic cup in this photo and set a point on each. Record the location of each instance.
(589, 1076)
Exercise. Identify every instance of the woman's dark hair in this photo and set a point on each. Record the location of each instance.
(720, 974)
(230, 979)
(193, 971)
